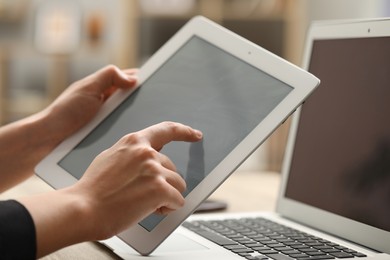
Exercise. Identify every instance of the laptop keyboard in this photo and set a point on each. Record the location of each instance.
(259, 238)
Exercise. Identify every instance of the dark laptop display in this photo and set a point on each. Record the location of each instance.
(341, 158)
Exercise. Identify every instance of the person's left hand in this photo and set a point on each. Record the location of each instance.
(25, 142)
(79, 103)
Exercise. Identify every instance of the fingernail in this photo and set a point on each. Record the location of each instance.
(132, 78)
(198, 133)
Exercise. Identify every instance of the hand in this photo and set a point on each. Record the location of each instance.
(132, 179)
(25, 142)
(79, 103)
(123, 185)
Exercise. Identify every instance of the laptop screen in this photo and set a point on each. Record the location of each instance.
(341, 157)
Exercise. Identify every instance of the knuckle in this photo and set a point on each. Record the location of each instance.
(104, 153)
(107, 70)
(178, 129)
(147, 154)
(151, 168)
(132, 138)
(159, 184)
(172, 126)
(157, 187)
(183, 186)
(181, 201)
(110, 68)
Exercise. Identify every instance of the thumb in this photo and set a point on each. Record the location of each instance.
(111, 76)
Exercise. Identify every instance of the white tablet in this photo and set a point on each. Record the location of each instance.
(207, 77)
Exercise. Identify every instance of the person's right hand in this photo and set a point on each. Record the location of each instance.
(133, 179)
(123, 185)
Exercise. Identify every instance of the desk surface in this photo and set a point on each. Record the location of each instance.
(243, 191)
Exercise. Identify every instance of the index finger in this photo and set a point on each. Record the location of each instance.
(165, 132)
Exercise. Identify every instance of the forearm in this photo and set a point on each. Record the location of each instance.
(22, 145)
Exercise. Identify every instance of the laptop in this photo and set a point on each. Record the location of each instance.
(334, 199)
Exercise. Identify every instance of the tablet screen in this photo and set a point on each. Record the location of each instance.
(202, 86)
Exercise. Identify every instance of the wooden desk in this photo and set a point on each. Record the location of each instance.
(243, 191)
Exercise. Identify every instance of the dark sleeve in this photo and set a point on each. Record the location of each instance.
(17, 231)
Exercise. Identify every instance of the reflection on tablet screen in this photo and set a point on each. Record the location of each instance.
(202, 86)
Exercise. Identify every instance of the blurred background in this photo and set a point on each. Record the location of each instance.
(45, 45)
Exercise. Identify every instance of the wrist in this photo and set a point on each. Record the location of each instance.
(46, 123)
(78, 213)
(81, 215)
(60, 219)
(38, 133)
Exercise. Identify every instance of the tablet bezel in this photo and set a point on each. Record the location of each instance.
(302, 84)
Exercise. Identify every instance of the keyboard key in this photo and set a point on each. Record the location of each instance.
(288, 252)
(341, 247)
(299, 247)
(310, 249)
(273, 245)
(267, 252)
(264, 240)
(244, 250)
(234, 247)
(322, 257)
(341, 255)
(260, 248)
(258, 257)
(332, 250)
(246, 241)
(279, 257)
(322, 247)
(253, 245)
(314, 244)
(234, 236)
(282, 248)
(315, 253)
(283, 240)
(297, 256)
(292, 244)
(220, 240)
